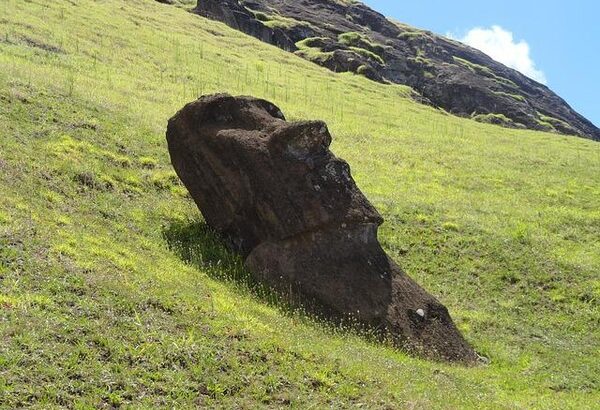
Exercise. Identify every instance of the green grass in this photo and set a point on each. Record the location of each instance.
(368, 54)
(409, 35)
(314, 55)
(424, 62)
(114, 293)
(311, 42)
(516, 97)
(477, 68)
(555, 124)
(259, 15)
(354, 40)
(277, 21)
(497, 119)
(311, 49)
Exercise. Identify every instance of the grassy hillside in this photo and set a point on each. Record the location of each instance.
(114, 293)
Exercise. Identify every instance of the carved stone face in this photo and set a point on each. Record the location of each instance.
(292, 209)
(257, 177)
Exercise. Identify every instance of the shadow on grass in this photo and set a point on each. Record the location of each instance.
(201, 247)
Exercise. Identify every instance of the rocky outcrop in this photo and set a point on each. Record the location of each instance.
(280, 198)
(349, 36)
(232, 13)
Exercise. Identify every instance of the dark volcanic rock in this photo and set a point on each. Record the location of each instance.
(239, 17)
(277, 194)
(349, 36)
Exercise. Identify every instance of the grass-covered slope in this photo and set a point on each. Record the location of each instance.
(112, 292)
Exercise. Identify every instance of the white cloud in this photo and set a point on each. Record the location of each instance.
(500, 44)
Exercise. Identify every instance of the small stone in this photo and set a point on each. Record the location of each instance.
(421, 312)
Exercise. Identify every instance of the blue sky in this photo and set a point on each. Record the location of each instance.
(563, 38)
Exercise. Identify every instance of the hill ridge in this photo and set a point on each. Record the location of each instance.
(350, 36)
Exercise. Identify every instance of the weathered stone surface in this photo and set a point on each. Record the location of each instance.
(279, 196)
